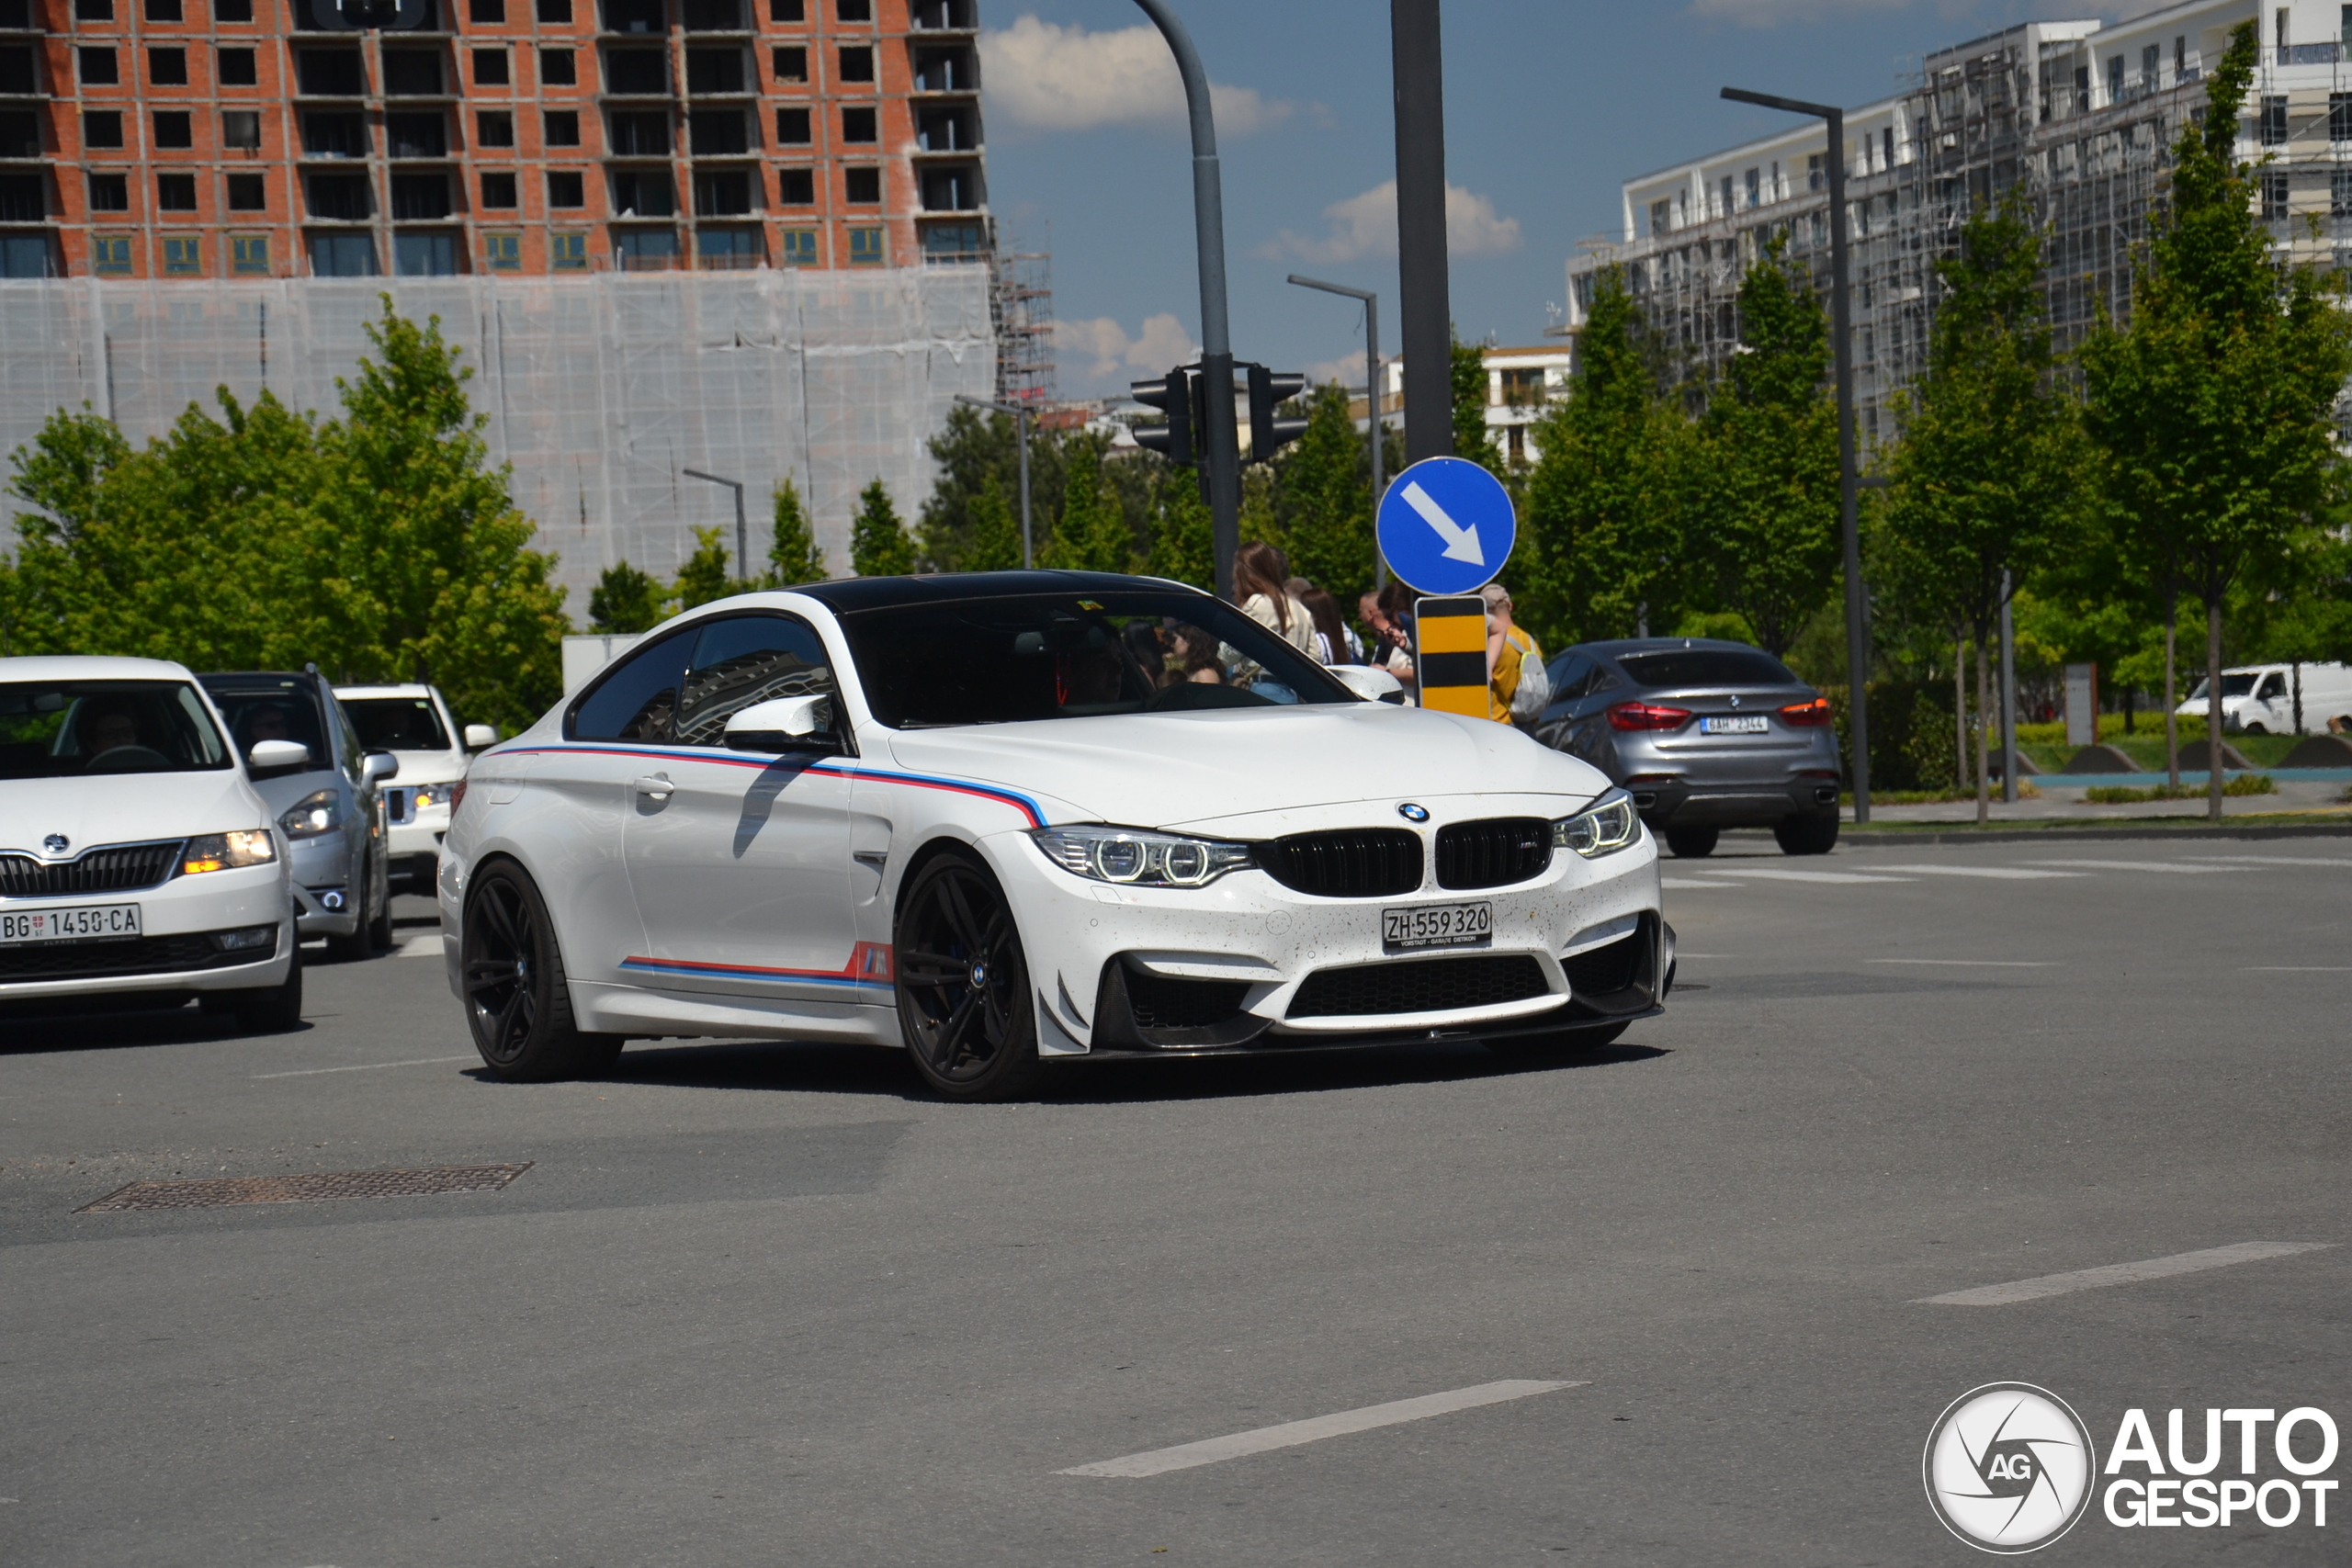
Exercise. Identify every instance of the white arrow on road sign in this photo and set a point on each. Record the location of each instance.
(1461, 543)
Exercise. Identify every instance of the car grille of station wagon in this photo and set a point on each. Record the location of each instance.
(1354, 863)
(115, 868)
(1429, 985)
(137, 956)
(1494, 852)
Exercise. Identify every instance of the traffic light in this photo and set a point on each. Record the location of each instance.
(1173, 392)
(1269, 390)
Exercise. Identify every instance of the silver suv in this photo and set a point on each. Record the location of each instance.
(327, 806)
(1704, 735)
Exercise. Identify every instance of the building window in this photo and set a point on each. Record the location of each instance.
(503, 253)
(248, 193)
(954, 243)
(420, 198)
(24, 198)
(94, 10)
(487, 13)
(559, 68)
(554, 12)
(791, 128)
(241, 129)
(2114, 78)
(799, 248)
(645, 249)
(183, 256)
(328, 135)
(2274, 197)
(636, 72)
(249, 255)
(1659, 215)
(1726, 195)
(2340, 193)
(568, 252)
(494, 128)
(175, 193)
(164, 11)
(238, 69)
(791, 64)
(728, 249)
(412, 74)
(490, 69)
(424, 255)
(341, 199)
(109, 193)
(643, 192)
(173, 128)
(167, 67)
(1754, 179)
(2151, 64)
(714, 71)
(498, 188)
(854, 10)
(714, 16)
(2339, 116)
(857, 62)
(789, 12)
(102, 128)
(2274, 121)
(639, 136)
(234, 11)
(719, 133)
(416, 135)
(331, 74)
(110, 255)
(342, 255)
(859, 125)
(866, 247)
(722, 193)
(862, 187)
(795, 187)
(566, 189)
(563, 127)
(20, 134)
(99, 68)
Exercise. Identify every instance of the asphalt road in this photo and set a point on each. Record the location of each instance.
(758, 1304)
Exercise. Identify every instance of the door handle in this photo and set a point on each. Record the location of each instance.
(654, 784)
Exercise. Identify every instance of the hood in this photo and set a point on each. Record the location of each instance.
(119, 808)
(427, 767)
(1167, 769)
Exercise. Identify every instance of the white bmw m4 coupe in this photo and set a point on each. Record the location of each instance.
(1013, 818)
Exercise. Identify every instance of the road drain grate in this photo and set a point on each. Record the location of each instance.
(307, 1187)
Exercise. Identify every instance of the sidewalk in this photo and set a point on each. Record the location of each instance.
(2062, 800)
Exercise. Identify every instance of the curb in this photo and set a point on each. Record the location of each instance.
(1852, 839)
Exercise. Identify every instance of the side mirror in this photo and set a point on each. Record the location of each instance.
(1373, 684)
(379, 766)
(780, 726)
(480, 738)
(269, 758)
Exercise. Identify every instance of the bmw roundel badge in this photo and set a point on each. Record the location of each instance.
(1412, 813)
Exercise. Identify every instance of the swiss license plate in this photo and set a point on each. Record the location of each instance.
(1736, 724)
(90, 922)
(1437, 925)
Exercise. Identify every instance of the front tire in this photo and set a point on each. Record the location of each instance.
(361, 942)
(518, 1004)
(963, 983)
(1806, 835)
(1692, 844)
(273, 1010)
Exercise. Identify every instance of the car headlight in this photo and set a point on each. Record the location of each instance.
(312, 815)
(1607, 826)
(424, 797)
(1132, 855)
(226, 851)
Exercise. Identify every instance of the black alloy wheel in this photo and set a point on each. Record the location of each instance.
(963, 983)
(1690, 843)
(379, 929)
(360, 943)
(517, 1002)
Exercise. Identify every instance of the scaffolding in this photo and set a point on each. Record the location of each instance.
(600, 390)
(1021, 302)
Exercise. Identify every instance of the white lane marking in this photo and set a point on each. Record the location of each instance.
(425, 946)
(365, 1068)
(1461, 543)
(1681, 955)
(2296, 969)
(1290, 1434)
(2006, 872)
(2269, 859)
(2171, 866)
(1778, 875)
(1692, 882)
(1974, 963)
(2121, 1273)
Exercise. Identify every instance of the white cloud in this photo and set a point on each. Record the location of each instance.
(1772, 13)
(1103, 346)
(1366, 225)
(1348, 369)
(1055, 78)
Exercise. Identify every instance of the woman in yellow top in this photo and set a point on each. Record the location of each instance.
(1509, 647)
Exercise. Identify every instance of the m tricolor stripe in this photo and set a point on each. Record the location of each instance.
(1013, 798)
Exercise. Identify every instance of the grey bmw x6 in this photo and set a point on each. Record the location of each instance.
(1704, 735)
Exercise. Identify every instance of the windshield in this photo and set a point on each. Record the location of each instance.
(266, 707)
(1707, 667)
(397, 724)
(1053, 656)
(52, 728)
(2231, 685)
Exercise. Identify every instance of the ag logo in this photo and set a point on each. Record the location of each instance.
(2008, 1467)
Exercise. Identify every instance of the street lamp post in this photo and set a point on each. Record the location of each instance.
(742, 532)
(1020, 432)
(1842, 349)
(1371, 381)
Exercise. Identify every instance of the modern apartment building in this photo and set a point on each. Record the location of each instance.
(161, 138)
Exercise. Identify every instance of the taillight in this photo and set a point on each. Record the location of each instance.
(1647, 715)
(457, 798)
(1804, 714)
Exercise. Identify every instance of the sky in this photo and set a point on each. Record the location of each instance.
(1550, 104)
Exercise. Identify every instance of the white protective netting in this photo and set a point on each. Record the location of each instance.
(600, 390)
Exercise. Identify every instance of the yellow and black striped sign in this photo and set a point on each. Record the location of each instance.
(1450, 654)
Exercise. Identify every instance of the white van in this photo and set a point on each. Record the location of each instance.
(2259, 699)
(413, 723)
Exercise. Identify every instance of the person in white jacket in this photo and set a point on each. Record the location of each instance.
(1259, 574)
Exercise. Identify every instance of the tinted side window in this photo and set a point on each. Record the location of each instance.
(1570, 673)
(745, 660)
(639, 699)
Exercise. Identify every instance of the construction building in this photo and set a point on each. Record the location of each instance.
(2081, 114)
(224, 139)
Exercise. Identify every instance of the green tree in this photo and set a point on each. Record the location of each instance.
(978, 451)
(1468, 375)
(1327, 498)
(793, 555)
(879, 546)
(625, 600)
(1092, 532)
(2210, 409)
(1183, 541)
(1766, 475)
(992, 540)
(703, 576)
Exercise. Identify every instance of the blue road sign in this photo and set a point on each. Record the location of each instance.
(1446, 526)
